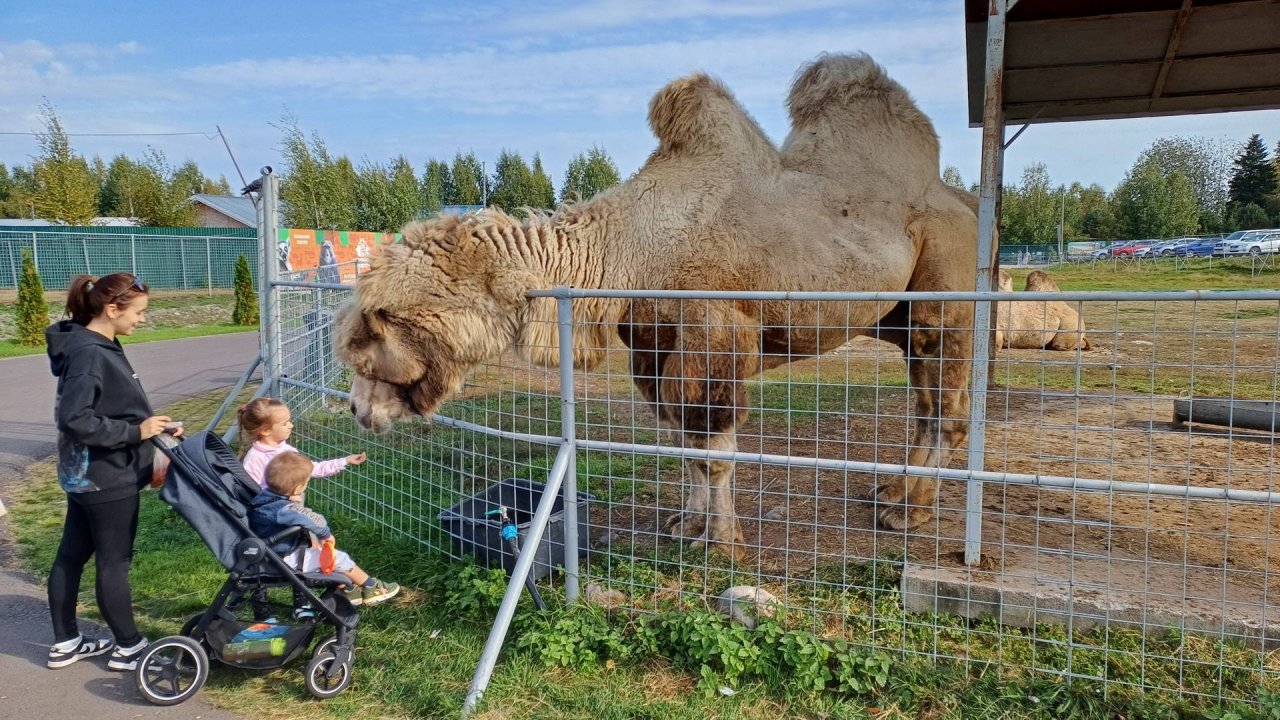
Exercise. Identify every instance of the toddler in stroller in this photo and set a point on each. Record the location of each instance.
(207, 486)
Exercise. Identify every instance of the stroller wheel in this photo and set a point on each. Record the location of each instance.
(320, 683)
(171, 670)
(324, 646)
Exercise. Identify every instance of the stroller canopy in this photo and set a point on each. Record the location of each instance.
(209, 488)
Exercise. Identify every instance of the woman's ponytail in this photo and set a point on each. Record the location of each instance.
(79, 299)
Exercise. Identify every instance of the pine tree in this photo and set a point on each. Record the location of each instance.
(246, 310)
(1254, 178)
(33, 313)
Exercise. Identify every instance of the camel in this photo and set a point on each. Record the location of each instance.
(1051, 325)
(851, 201)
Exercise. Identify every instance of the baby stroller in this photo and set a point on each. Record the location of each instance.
(208, 487)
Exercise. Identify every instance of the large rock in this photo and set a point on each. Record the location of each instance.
(747, 603)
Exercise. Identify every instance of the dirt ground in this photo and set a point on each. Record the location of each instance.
(1104, 414)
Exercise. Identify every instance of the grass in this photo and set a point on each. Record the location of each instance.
(406, 669)
(170, 316)
(1162, 274)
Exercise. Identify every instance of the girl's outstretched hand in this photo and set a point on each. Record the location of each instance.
(357, 459)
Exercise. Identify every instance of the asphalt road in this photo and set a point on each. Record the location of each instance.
(170, 371)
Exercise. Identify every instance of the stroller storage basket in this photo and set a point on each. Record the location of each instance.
(256, 645)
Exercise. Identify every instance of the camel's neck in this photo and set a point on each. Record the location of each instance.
(570, 249)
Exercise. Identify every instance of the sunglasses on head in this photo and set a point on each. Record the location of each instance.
(135, 285)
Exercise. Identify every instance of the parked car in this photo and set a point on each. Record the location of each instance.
(1197, 248)
(1237, 242)
(1255, 243)
(1128, 249)
(1157, 249)
(1169, 248)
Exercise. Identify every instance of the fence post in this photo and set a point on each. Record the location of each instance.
(268, 271)
(84, 248)
(13, 265)
(35, 252)
(182, 256)
(133, 254)
(208, 265)
(568, 439)
(988, 222)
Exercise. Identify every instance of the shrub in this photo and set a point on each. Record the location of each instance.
(246, 310)
(33, 313)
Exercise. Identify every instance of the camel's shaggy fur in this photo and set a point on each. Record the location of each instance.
(852, 201)
(1053, 325)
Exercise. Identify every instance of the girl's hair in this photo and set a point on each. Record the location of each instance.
(254, 417)
(88, 296)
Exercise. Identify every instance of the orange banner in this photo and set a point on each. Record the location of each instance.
(335, 256)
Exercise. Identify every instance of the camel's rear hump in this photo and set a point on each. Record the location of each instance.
(850, 119)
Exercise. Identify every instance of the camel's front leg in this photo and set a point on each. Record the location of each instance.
(941, 423)
(722, 529)
(690, 522)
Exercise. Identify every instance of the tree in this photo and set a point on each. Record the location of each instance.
(1030, 211)
(1249, 217)
(1253, 178)
(1203, 162)
(16, 201)
(951, 176)
(32, 312)
(512, 183)
(469, 182)
(318, 190)
(246, 309)
(588, 174)
(543, 193)
(406, 195)
(1150, 204)
(437, 185)
(64, 186)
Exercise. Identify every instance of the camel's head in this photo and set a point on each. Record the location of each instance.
(427, 311)
(1006, 282)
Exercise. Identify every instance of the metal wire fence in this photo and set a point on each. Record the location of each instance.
(166, 258)
(1121, 544)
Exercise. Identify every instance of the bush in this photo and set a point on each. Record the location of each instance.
(246, 311)
(33, 313)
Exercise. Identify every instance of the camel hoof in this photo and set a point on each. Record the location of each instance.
(685, 525)
(889, 493)
(733, 550)
(895, 518)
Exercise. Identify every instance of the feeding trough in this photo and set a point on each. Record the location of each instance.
(1252, 414)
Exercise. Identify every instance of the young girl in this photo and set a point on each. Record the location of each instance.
(104, 423)
(265, 426)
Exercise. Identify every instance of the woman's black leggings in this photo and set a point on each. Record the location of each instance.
(105, 530)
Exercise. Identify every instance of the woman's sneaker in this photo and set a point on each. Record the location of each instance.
(373, 594)
(126, 659)
(73, 650)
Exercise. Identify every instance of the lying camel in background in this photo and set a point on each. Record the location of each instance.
(1052, 325)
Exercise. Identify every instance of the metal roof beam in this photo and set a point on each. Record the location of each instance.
(1175, 39)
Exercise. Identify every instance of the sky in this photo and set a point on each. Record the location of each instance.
(379, 78)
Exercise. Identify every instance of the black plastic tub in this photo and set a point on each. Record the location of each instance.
(478, 534)
(1252, 414)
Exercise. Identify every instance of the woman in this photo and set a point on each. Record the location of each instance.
(104, 458)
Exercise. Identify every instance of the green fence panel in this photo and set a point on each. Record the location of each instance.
(191, 259)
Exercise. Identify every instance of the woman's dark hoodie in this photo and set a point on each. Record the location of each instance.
(99, 411)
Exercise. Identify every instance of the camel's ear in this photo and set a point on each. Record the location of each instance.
(510, 286)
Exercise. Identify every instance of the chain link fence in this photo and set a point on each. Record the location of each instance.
(1121, 545)
(166, 258)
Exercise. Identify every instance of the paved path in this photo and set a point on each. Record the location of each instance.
(170, 371)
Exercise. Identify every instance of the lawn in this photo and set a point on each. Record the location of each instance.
(170, 316)
(415, 655)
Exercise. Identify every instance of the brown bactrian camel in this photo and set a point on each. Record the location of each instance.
(852, 201)
(1052, 325)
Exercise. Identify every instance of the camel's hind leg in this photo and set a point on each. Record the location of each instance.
(938, 365)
